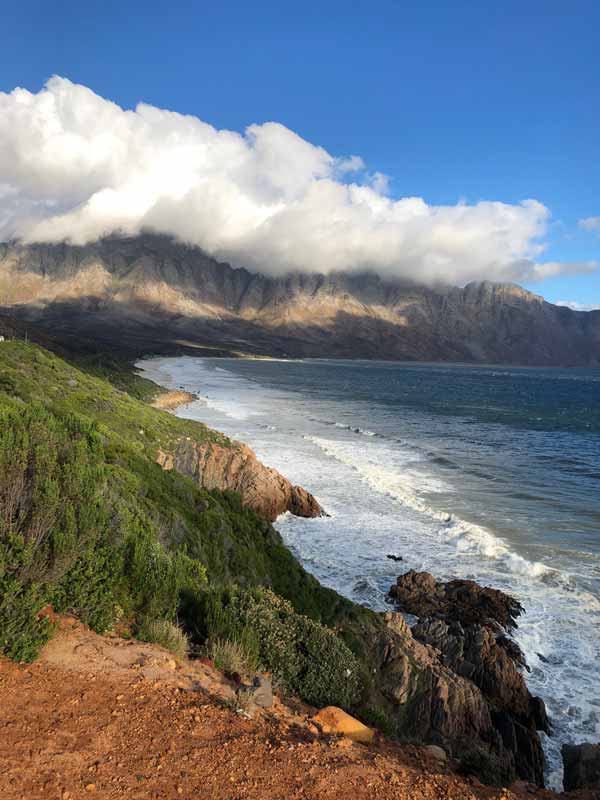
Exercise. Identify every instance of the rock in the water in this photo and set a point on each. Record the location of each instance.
(334, 720)
(582, 766)
(465, 624)
(461, 601)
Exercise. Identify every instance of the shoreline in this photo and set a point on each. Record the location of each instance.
(176, 394)
(542, 683)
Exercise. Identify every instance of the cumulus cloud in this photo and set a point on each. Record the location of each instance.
(591, 224)
(74, 166)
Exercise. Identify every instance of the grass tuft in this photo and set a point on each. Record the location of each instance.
(164, 633)
(232, 657)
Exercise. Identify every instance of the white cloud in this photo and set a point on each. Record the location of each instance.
(575, 306)
(75, 166)
(591, 224)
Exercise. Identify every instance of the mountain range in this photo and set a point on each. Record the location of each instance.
(150, 293)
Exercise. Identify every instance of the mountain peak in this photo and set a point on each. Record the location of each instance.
(151, 290)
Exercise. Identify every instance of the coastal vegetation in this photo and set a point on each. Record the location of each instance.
(92, 526)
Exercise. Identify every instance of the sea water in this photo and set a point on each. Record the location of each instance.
(489, 473)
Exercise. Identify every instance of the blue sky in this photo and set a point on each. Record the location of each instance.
(473, 101)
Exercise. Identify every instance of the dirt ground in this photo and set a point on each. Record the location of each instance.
(108, 718)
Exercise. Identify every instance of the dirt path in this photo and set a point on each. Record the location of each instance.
(105, 718)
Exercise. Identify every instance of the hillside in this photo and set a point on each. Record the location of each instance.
(108, 718)
(92, 525)
(150, 293)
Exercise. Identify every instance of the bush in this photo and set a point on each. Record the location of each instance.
(76, 532)
(164, 633)
(304, 655)
(52, 473)
(22, 631)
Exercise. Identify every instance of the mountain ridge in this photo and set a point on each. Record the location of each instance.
(156, 288)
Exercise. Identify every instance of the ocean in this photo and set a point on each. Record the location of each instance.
(489, 473)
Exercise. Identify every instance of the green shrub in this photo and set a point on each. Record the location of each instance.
(156, 576)
(52, 473)
(22, 631)
(77, 532)
(89, 588)
(304, 655)
(164, 633)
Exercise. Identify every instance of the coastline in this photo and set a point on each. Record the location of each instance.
(283, 522)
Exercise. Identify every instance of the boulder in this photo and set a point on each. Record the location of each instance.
(462, 601)
(334, 720)
(466, 627)
(261, 691)
(436, 753)
(582, 766)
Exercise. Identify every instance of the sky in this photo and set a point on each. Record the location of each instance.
(434, 140)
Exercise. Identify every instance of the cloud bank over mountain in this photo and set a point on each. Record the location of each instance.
(75, 166)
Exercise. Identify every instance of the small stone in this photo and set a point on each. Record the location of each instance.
(262, 691)
(435, 752)
(90, 787)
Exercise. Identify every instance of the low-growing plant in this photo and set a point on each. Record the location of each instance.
(232, 657)
(165, 633)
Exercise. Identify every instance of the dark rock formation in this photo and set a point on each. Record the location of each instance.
(236, 468)
(146, 293)
(456, 601)
(582, 766)
(465, 625)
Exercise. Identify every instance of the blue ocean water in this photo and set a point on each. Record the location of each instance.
(491, 473)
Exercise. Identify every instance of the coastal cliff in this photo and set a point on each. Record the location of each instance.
(191, 543)
(236, 468)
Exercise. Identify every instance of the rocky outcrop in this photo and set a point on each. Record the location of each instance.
(582, 766)
(236, 468)
(465, 627)
(146, 293)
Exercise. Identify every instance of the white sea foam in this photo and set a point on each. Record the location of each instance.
(390, 491)
(466, 536)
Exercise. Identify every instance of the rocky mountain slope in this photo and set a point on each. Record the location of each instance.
(150, 293)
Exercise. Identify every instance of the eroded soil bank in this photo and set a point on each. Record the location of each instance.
(110, 718)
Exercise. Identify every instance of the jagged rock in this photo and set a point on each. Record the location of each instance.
(334, 720)
(582, 766)
(430, 703)
(237, 468)
(463, 601)
(149, 291)
(465, 625)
